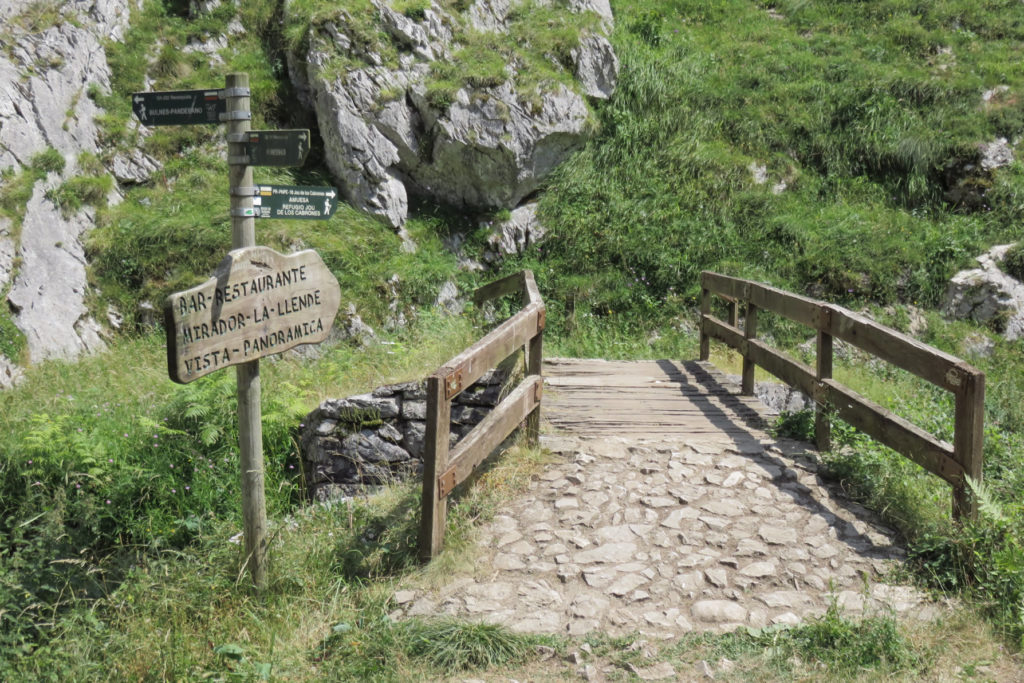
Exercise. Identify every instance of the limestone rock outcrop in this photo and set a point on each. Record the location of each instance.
(391, 127)
(968, 179)
(47, 74)
(513, 235)
(48, 294)
(987, 295)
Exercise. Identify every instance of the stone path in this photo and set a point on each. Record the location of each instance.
(668, 535)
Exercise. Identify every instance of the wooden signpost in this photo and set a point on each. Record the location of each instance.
(258, 302)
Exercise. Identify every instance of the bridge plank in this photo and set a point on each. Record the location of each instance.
(647, 398)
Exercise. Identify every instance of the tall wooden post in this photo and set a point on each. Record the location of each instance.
(435, 462)
(750, 333)
(250, 427)
(705, 309)
(823, 371)
(969, 441)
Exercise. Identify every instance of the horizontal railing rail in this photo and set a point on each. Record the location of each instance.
(443, 470)
(952, 462)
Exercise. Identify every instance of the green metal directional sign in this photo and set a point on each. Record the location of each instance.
(277, 147)
(294, 201)
(179, 107)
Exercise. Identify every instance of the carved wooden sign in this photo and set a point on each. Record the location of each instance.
(257, 303)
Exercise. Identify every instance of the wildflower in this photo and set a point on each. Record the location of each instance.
(174, 490)
(108, 501)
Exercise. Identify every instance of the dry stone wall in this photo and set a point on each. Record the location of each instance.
(377, 438)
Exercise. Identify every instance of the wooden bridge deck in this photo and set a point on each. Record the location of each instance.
(590, 397)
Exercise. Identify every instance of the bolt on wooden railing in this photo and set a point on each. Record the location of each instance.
(953, 463)
(443, 471)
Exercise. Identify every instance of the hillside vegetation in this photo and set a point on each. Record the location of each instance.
(118, 489)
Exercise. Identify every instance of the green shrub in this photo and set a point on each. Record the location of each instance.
(983, 559)
(75, 192)
(1013, 261)
(48, 161)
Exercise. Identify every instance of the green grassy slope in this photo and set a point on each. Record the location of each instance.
(856, 107)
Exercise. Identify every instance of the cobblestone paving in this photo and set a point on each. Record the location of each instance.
(662, 538)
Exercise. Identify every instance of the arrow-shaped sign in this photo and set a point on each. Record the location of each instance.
(179, 107)
(294, 201)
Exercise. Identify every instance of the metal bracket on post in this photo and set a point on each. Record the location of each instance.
(229, 116)
(234, 92)
(446, 483)
(453, 383)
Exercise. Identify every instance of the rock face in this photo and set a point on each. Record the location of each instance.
(46, 76)
(48, 294)
(389, 129)
(987, 295)
(515, 235)
(968, 179)
(377, 438)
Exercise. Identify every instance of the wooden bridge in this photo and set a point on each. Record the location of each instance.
(645, 398)
(666, 398)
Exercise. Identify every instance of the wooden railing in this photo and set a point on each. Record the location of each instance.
(953, 462)
(443, 471)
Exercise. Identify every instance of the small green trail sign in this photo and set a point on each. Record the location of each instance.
(294, 201)
(274, 147)
(179, 107)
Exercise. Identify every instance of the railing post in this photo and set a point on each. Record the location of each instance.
(705, 310)
(968, 441)
(823, 371)
(435, 461)
(535, 366)
(750, 332)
